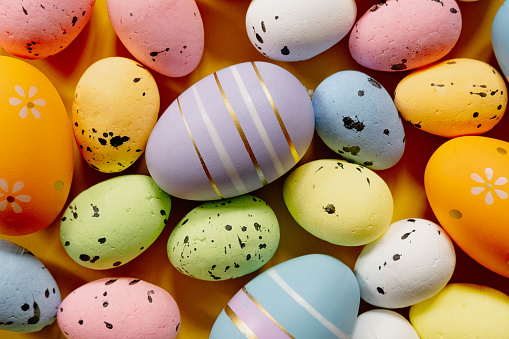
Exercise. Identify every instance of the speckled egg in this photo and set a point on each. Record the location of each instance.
(224, 239)
(29, 296)
(383, 324)
(397, 35)
(340, 202)
(36, 30)
(35, 133)
(231, 133)
(453, 97)
(411, 262)
(115, 107)
(499, 38)
(312, 296)
(119, 308)
(356, 117)
(294, 30)
(467, 191)
(114, 221)
(166, 36)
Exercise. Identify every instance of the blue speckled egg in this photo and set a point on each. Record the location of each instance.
(29, 296)
(499, 37)
(356, 117)
(313, 296)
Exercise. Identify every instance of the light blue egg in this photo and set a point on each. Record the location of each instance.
(357, 118)
(500, 37)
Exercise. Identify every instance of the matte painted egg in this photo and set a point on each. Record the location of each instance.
(411, 262)
(35, 134)
(397, 35)
(119, 308)
(115, 107)
(114, 221)
(499, 38)
(36, 30)
(29, 295)
(468, 195)
(231, 133)
(224, 239)
(312, 296)
(166, 36)
(339, 202)
(453, 97)
(383, 324)
(356, 117)
(294, 30)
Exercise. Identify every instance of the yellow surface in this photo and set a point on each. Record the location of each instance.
(226, 43)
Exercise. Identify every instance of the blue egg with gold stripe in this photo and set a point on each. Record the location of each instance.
(231, 133)
(312, 296)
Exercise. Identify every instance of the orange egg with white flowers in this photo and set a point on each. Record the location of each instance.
(36, 149)
(466, 182)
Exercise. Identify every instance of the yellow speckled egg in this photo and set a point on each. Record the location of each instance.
(453, 97)
(36, 149)
(463, 310)
(340, 202)
(115, 108)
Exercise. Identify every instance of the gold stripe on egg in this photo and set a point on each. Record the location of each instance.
(276, 112)
(246, 331)
(211, 180)
(241, 132)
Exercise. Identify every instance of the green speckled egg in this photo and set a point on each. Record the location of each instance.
(114, 221)
(224, 239)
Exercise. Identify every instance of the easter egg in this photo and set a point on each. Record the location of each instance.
(397, 35)
(339, 202)
(115, 107)
(411, 262)
(119, 308)
(294, 30)
(29, 296)
(468, 196)
(35, 134)
(36, 30)
(166, 36)
(231, 133)
(224, 239)
(383, 324)
(453, 97)
(356, 117)
(499, 39)
(312, 296)
(462, 310)
(114, 221)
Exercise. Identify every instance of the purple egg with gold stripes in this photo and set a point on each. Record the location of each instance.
(231, 133)
(313, 296)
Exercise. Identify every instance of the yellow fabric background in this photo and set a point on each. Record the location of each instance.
(226, 43)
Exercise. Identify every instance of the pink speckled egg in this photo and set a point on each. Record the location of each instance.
(119, 308)
(396, 35)
(166, 36)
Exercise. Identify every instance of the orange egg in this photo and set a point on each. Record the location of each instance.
(466, 182)
(36, 149)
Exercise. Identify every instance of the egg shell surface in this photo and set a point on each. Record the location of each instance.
(295, 30)
(224, 239)
(166, 36)
(397, 35)
(465, 192)
(383, 324)
(356, 117)
(35, 30)
(29, 295)
(499, 38)
(463, 310)
(453, 98)
(116, 104)
(312, 296)
(412, 261)
(34, 130)
(339, 202)
(231, 133)
(114, 221)
(119, 308)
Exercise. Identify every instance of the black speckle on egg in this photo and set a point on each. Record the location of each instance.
(380, 290)
(108, 325)
(177, 328)
(25, 307)
(109, 282)
(257, 226)
(163, 212)
(410, 220)
(46, 293)
(262, 246)
(374, 83)
(386, 131)
(101, 240)
(134, 282)
(106, 304)
(396, 257)
(84, 257)
(285, 50)
(117, 263)
(476, 114)
(102, 141)
(228, 227)
(94, 259)
(149, 297)
(350, 123)
(499, 107)
(74, 20)
(360, 93)
(80, 321)
(67, 243)
(135, 80)
(453, 10)
(243, 228)
(368, 163)
(248, 257)
(330, 209)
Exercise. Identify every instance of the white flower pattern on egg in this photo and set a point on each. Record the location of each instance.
(489, 186)
(27, 103)
(8, 198)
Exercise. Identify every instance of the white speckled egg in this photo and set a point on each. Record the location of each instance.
(383, 324)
